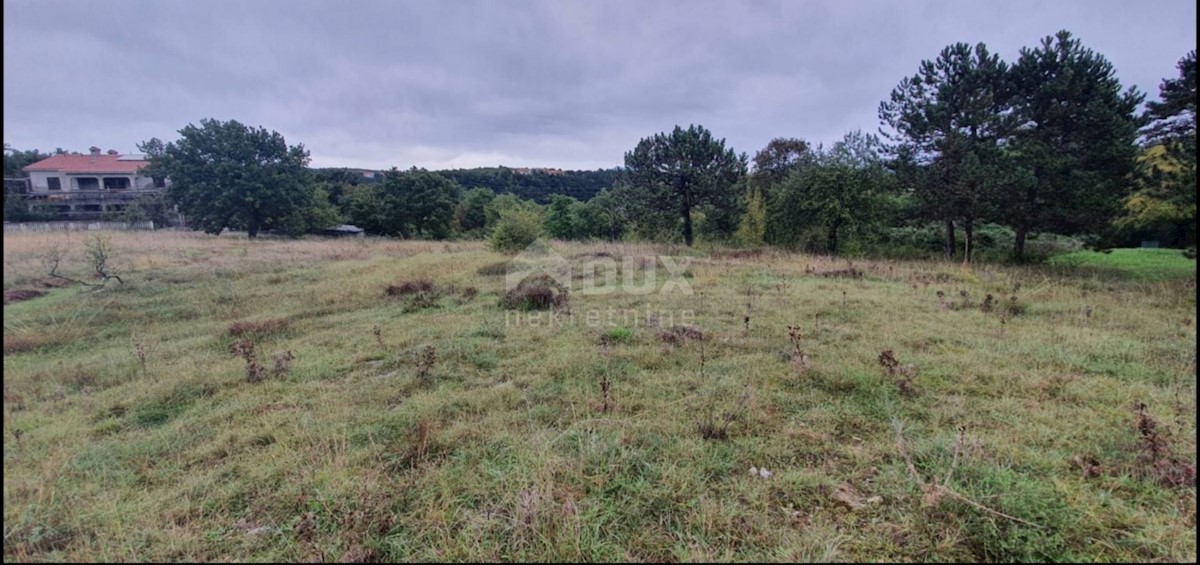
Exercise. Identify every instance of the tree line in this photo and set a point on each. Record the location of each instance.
(971, 149)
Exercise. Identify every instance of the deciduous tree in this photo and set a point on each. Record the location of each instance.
(228, 175)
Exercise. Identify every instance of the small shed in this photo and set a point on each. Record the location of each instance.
(344, 230)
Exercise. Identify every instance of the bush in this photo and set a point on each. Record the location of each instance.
(539, 292)
(515, 230)
(993, 242)
(1190, 252)
(417, 294)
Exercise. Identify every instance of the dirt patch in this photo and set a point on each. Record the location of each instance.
(678, 335)
(21, 295)
(258, 328)
(51, 282)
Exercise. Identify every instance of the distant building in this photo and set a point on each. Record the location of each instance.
(543, 171)
(85, 187)
(344, 230)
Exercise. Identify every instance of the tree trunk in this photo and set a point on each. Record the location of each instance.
(832, 240)
(687, 226)
(969, 237)
(1019, 243)
(950, 245)
(252, 231)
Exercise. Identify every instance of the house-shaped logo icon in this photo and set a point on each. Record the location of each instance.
(537, 258)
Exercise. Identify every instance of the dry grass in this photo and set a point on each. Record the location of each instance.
(257, 328)
(533, 443)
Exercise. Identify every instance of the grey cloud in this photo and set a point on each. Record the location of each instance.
(555, 83)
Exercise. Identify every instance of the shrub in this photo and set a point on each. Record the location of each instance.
(418, 294)
(540, 292)
(515, 230)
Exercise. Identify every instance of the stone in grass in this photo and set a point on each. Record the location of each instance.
(760, 473)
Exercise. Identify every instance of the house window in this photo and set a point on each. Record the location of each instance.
(88, 183)
(116, 183)
(53, 183)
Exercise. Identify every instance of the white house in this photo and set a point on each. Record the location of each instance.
(84, 186)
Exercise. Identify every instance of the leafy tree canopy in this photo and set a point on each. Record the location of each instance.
(228, 175)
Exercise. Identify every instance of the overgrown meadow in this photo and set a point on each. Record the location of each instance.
(365, 400)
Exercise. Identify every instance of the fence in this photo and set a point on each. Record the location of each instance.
(76, 226)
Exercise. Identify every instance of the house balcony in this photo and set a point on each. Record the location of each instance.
(99, 197)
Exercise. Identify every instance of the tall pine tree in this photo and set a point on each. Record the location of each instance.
(947, 122)
(678, 172)
(1076, 138)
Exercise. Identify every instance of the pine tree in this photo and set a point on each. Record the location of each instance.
(678, 172)
(947, 122)
(1077, 139)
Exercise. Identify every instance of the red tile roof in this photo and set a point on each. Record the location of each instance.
(86, 164)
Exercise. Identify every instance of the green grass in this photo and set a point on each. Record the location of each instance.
(500, 446)
(1144, 264)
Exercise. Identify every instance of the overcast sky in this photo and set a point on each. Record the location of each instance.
(566, 84)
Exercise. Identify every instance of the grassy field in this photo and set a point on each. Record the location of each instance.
(1145, 264)
(435, 425)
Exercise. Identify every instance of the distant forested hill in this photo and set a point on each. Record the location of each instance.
(536, 184)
